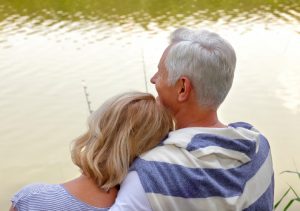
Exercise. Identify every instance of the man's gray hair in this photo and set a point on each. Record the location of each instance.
(206, 59)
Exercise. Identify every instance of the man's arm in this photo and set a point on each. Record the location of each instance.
(131, 196)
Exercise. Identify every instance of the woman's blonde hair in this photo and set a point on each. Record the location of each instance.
(120, 130)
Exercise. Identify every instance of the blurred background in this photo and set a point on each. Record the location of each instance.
(48, 47)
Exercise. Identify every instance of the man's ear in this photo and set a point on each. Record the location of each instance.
(184, 88)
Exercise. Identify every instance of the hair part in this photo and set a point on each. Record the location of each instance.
(206, 59)
(120, 130)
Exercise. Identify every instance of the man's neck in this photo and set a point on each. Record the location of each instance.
(198, 118)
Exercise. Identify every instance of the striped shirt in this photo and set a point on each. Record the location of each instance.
(37, 197)
(209, 169)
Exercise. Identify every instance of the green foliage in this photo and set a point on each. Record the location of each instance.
(290, 189)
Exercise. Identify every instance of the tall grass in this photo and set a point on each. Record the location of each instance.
(295, 196)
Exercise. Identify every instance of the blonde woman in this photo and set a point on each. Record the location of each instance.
(120, 130)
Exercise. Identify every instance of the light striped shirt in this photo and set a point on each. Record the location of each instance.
(37, 197)
(207, 169)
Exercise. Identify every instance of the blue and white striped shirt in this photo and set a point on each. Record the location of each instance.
(209, 169)
(37, 197)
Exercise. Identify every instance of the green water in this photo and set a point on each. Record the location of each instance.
(141, 12)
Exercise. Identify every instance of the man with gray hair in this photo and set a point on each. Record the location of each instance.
(204, 164)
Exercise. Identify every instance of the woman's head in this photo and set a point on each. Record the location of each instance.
(121, 129)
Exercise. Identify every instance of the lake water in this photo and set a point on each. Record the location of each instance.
(48, 47)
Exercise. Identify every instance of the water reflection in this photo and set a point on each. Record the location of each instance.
(142, 12)
(289, 89)
(97, 15)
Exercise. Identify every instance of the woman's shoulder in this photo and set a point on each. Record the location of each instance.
(37, 188)
(35, 192)
(48, 197)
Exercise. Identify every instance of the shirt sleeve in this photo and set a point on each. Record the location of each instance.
(21, 196)
(131, 196)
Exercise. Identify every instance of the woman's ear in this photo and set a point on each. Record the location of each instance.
(184, 88)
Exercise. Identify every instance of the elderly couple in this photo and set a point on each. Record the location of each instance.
(169, 153)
